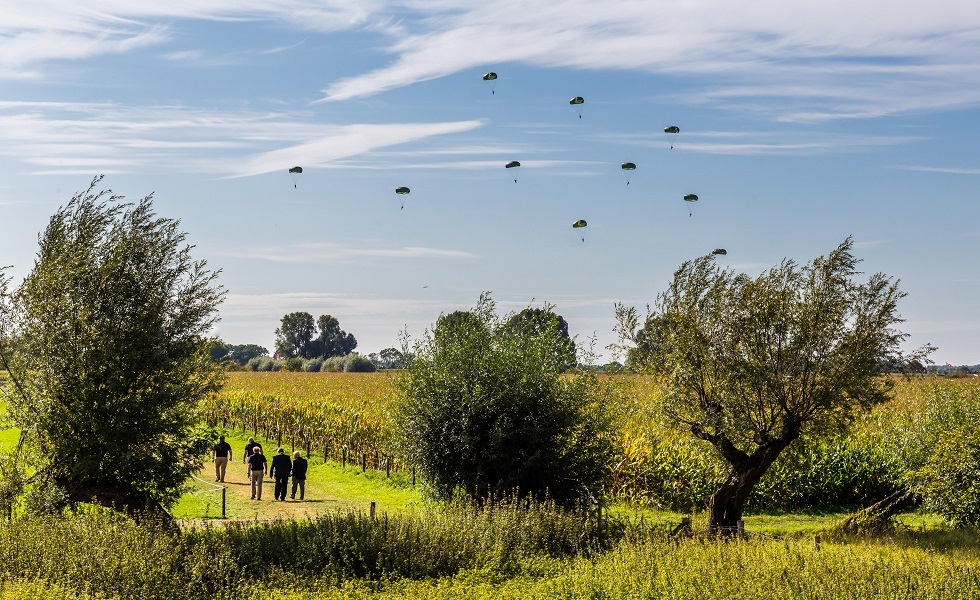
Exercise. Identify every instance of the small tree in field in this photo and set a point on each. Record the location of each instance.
(111, 355)
(749, 364)
(485, 409)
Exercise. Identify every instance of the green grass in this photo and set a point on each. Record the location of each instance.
(329, 488)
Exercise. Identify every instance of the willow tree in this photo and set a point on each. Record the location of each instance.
(749, 364)
(107, 341)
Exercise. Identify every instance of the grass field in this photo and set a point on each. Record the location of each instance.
(329, 488)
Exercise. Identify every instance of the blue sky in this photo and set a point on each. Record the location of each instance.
(801, 123)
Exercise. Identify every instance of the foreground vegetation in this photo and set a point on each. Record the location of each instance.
(468, 553)
(435, 552)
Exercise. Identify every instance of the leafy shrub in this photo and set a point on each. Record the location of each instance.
(293, 364)
(333, 364)
(356, 363)
(313, 365)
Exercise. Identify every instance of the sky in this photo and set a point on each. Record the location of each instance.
(801, 123)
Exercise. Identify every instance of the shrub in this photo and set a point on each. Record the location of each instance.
(293, 364)
(485, 410)
(355, 363)
(313, 365)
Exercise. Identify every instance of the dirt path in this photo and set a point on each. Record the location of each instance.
(240, 506)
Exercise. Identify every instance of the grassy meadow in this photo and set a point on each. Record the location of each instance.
(330, 547)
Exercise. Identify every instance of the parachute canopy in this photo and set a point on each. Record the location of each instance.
(577, 100)
(628, 166)
(720, 251)
(690, 197)
(579, 224)
(513, 165)
(402, 190)
(295, 172)
(674, 129)
(491, 81)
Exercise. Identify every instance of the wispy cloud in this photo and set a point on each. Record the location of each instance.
(329, 252)
(829, 61)
(107, 138)
(926, 169)
(803, 61)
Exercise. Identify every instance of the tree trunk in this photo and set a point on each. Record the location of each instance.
(727, 503)
(875, 517)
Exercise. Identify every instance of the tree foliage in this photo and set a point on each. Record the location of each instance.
(294, 337)
(299, 336)
(749, 364)
(538, 321)
(486, 410)
(111, 327)
(333, 341)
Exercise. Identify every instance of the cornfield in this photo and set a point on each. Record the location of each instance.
(340, 416)
(347, 417)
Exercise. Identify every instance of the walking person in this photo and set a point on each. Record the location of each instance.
(280, 469)
(249, 447)
(222, 454)
(299, 475)
(256, 471)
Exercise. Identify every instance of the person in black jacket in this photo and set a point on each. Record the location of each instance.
(281, 467)
(299, 475)
(222, 454)
(256, 471)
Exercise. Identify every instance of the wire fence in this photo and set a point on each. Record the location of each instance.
(215, 488)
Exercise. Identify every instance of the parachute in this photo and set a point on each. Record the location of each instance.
(513, 165)
(295, 172)
(579, 225)
(719, 251)
(491, 79)
(672, 131)
(627, 167)
(691, 198)
(401, 191)
(577, 103)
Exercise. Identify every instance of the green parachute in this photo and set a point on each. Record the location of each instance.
(719, 252)
(513, 165)
(692, 198)
(402, 191)
(491, 79)
(628, 168)
(577, 103)
(672, 131)
(580, 224)
(295, 172)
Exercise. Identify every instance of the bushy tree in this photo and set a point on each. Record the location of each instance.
(749, 364)
(391, 358)
(242, 353)
(299, 336)
(294, 337)
(535, 321)
(333, 341)
(112, 355)
(486, 410)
